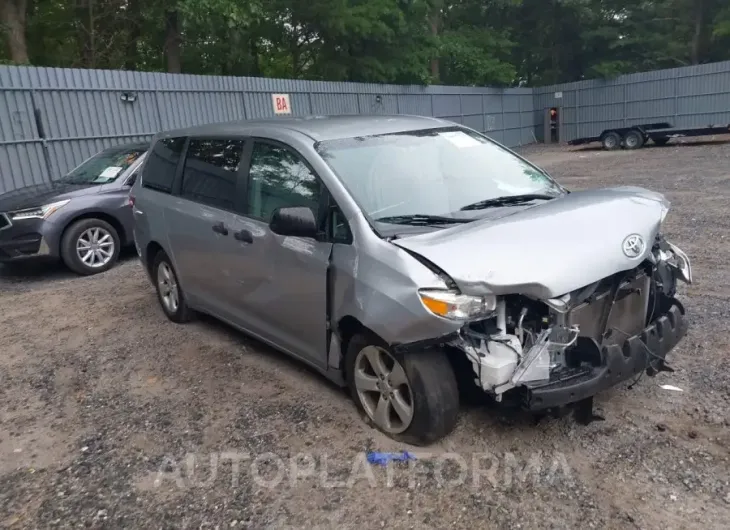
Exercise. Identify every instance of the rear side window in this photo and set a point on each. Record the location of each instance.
(211, 171)
(161, 165)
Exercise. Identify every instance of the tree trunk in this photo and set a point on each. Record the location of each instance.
(172, 42)
(435, 73)
(131, 58)
(85, 34)
(434, 21)
(13, 17)
(699, 34)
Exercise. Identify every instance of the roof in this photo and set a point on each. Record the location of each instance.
(319, 128)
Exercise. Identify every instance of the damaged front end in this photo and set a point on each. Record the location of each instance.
(560, 351)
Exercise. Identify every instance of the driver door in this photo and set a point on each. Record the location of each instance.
(281, 281)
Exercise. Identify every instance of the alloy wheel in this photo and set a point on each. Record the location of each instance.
(95, 247)
(169, 292)
(383, 389)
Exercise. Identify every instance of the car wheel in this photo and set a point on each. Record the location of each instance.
(411, 397)
(90, 246)
(169, 292)
(633, 140)
(611, 141)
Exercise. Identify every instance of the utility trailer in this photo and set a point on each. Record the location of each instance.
(636, 136)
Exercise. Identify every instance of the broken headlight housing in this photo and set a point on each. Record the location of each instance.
(456, 306)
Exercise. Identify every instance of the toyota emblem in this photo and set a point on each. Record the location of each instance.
(633, 246)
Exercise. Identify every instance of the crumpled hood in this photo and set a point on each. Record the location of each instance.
(549, 249)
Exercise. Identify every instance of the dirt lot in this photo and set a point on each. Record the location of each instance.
(102, 400)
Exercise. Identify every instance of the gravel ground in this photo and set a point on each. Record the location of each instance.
(112, 417)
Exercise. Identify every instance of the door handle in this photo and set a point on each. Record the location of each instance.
(220, 228)
(244, 235)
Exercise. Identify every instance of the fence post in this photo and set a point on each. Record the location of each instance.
(676, 97)
(484, 117)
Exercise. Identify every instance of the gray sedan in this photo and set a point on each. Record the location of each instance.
(83, 218)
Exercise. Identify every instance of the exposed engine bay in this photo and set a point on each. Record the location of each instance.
(563, 350)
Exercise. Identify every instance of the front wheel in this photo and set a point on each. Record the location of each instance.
(411, 397)
(90, 246)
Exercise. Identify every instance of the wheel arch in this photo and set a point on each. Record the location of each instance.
(347, 327)
(150, 251)
(95, 214)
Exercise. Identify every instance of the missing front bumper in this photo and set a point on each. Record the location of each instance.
(645, 351)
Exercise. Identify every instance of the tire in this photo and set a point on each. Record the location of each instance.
(633, 140)
(611, 141)
(429, 387)
(661, 141)
(99, 237)
(164, 276)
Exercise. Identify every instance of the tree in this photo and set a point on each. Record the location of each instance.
(465, 42)
(13, 16)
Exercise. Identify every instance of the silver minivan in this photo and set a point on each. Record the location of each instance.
(413, 260)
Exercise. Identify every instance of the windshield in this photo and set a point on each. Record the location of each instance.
(105, 166)
(431, 172)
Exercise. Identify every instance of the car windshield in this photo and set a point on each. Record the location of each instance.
(105, 166)
(432, 172)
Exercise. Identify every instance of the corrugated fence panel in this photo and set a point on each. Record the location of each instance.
(21, 164)
(17, 121)
(185, 109)
(692, 96)
(81, 111)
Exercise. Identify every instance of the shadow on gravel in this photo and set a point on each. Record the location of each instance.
(46, 270)
(264, 351)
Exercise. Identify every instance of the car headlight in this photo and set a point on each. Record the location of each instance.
(42, 212)
(456, 306)
(665, 211)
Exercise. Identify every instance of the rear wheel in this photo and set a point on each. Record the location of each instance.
(633, 140)
(411, 397)
(611, 141)
(169, 293)
(90, 246)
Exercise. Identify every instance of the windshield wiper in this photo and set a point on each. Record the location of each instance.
(507, 200)
(421, 219)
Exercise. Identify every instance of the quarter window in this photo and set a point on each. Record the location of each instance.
(211, 172)
(279, 178)
(161, 165)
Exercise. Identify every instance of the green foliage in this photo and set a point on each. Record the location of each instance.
(460, 42)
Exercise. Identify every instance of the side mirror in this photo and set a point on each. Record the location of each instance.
(296, 221)
(131, 180)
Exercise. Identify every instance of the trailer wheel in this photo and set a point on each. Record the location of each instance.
(633, 140)
(611, 141)
(661, 140)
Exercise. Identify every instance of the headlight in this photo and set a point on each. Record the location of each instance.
(665, 211)
(42, 212)
(455, 306)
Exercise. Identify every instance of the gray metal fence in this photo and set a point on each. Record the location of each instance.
(692, 96)
(51, 119)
